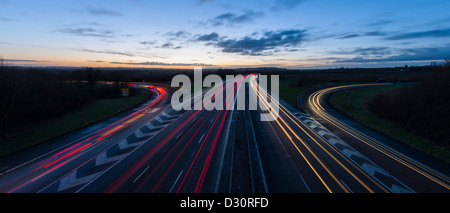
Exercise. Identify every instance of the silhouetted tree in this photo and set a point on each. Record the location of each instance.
(91, 75)
(423, 108)
(3, 62)
(12, 89)
(447, 62)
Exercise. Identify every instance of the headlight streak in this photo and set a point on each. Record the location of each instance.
(314, 101)
(190, 158)
(297, 122)
(301, 153)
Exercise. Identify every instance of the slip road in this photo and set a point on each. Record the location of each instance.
(227, 203)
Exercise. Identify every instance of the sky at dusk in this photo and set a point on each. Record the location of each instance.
(224, 33)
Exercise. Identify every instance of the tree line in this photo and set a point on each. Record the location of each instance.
(32, 95)
(423, 108)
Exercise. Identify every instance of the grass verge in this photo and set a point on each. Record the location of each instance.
(90, 113)
(352, 103)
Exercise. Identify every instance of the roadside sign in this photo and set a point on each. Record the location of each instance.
(125, 92)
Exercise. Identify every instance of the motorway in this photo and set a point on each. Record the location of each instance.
(57, 166)
(394, 166)
(153, 149)
(156, 149)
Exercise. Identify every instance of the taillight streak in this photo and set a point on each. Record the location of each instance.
(124, 177)
(210, 154)
(105, 132)
(207, 162)
(67, 155)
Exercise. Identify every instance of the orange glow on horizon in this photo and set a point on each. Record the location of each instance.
(106, 64)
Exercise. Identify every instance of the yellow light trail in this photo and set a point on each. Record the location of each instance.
(297, 121)
(110, 131)
(331, 155)
(307, 147)
(314, 101)
(134, 118)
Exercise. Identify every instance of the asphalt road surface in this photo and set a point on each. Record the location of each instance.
(156, 149)
(390, 165)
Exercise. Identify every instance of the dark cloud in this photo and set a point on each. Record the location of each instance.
(178, 34)
(370, 51)
(7, 43)
(86, 31)
(25, 60)
(103, 12)
(208, 37)
(284, 4)
(349, 36)
(6, 19)
(205, 1)
(419, 54)
(152, 42)
(375, 33)
(265, 45)
(275, 4)
(233, 19)
(108, 52)
(171, 38)
(421, 34)
(380, 22)
(169, 45)
(99, 61)
(129, 54)
(162, 64)
(361, 34)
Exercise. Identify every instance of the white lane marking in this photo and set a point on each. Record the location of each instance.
(369, 167)
(139, 144)
(160, 120)
(71, 180)
(193, 120)
(170, 191)
(372, 169)
(266, 190)
(4, 168)
(151, 110)
(104, 159)
(322, 132)
(346, 186)
(140, 134)
(170, 116)
(49, 153)
(334, 141)
(201, 138)
(349, 153)
(125, 145)
(399, 189)
(178, 135)
(141, 174)
(68, 144)
(304, 182)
